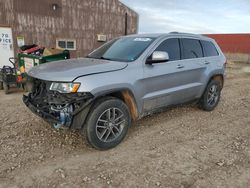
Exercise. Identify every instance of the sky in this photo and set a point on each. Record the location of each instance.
(192, 16)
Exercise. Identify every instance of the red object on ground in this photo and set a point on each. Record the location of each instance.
(32, 50)
(19, 78)
(232, 43)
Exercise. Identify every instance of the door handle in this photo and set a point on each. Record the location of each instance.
(180, 66)
(207, 63)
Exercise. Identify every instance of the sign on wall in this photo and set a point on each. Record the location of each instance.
(6, 46)
(20, 41)
(5, 40)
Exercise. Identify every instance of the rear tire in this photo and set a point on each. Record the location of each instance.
(211, 96)
(6, 88)
(107, 123)
(1, 85)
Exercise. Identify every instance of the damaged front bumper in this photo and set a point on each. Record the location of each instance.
(60, 110)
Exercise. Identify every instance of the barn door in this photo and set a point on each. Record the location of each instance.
(6, 46)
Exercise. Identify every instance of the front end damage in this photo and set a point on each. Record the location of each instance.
(62, 110)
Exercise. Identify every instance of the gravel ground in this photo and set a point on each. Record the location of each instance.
(182, 147)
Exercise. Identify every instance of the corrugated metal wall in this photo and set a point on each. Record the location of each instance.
(81, 20)
(233, 43)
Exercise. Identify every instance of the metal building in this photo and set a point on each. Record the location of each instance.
(77, 25)
(233, 43)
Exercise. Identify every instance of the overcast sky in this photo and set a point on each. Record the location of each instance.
(195, 16)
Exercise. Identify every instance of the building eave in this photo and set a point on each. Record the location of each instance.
(128, 7)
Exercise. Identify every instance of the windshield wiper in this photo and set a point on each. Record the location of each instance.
(104, 58)
(87, 56)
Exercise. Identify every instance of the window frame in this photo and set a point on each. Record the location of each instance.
(66, 43)
(182, 48)
(179, 43)
(203, 48)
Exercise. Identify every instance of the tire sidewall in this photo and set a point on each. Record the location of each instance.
(1, 85)
(205, 104)
(93, 116)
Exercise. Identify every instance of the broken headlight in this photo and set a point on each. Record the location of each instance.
(65, 87)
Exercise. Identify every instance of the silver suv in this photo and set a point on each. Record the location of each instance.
(124, 80)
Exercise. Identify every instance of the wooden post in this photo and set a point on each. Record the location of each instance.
(126, 23)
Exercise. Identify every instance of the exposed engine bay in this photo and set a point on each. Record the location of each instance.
(57, 108)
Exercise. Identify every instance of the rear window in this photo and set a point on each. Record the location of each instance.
(209, 49)
(191, 48)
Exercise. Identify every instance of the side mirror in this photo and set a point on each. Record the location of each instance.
(158, 57)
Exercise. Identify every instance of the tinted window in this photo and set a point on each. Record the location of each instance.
(209, 49)
(191, 48)
(171, 46)
(123, 49)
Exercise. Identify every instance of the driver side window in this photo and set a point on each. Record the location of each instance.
(172, 47)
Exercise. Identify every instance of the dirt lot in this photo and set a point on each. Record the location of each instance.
(182, 147)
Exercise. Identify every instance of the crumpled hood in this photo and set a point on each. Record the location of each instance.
(69, 70)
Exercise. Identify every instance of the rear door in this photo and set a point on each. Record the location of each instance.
(210, 52)
(195, 68)
(6, 46)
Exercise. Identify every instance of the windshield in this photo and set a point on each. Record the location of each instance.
(125, 49)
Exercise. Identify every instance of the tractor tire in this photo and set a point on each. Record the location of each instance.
(1, 85)
(6, 88)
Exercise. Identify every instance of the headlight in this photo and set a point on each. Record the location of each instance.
(65, 87)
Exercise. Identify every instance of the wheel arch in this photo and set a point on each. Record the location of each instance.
(127, 97)
(215, 76)
(219, 77)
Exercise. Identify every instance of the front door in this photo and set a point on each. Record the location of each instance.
(6, 46)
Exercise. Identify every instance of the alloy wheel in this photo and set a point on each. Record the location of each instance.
(213, 95)
(110, 124)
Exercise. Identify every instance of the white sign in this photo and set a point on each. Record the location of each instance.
(5, 41)
(20, 41)
(5, 38)
(143, 39)
(6, 46)
(28, 63)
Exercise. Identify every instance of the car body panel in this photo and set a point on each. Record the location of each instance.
(114, 81)
(69, 70)
(166, 84)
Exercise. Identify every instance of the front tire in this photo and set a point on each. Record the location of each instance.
(107, 123)
(211, 96)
